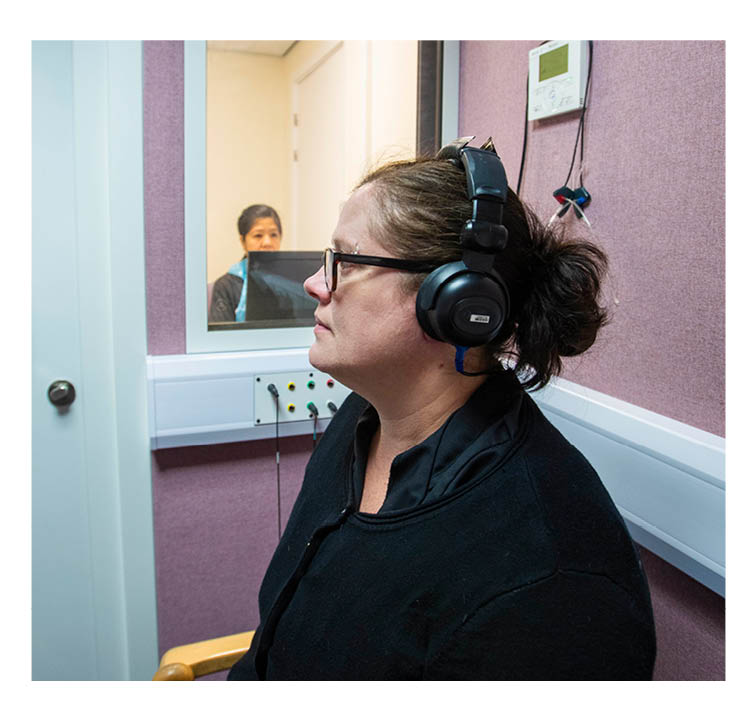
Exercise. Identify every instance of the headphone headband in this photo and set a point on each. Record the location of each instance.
(486, 177)
(487, 189)
(466, 303)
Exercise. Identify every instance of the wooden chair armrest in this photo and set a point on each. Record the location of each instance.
(187, 662)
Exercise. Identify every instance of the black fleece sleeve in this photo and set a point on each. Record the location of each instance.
(568, 626)
(226, 294)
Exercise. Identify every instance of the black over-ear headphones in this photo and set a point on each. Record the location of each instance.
(466, 303)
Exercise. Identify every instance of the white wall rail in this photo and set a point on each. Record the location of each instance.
(211, 398)
(667, 478)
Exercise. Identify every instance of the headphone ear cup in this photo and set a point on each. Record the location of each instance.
(426, 299)
(460, 306)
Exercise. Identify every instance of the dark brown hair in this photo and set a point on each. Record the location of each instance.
(554, 281)
(255, 212)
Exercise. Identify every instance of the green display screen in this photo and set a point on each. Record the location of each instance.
(553, 63)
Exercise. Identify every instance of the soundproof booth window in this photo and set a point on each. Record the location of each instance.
(275, 143)
(275, 179)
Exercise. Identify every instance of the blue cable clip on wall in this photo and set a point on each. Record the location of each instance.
(568, 198)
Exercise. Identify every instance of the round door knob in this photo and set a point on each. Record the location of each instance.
(61, 393)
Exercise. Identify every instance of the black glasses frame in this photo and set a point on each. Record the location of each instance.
(331, 259)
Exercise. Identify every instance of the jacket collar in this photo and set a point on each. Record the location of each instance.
(465, 447)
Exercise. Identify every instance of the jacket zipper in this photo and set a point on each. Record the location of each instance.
(287, 592)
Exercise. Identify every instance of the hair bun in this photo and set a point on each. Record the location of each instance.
(561, 314)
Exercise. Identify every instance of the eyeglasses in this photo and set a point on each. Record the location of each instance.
(331, 260)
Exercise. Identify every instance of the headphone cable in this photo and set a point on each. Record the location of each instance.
(273, 390)
(525, 134)
(581, 125)
(459, 361)
(278, 475)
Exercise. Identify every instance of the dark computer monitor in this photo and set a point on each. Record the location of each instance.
(275, 296)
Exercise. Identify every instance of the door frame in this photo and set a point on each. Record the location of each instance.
(129, 337)
(437, 94)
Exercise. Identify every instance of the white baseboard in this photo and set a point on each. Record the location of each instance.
(666, 478)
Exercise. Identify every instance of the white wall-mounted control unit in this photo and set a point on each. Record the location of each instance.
(300, 396)
(558, 76)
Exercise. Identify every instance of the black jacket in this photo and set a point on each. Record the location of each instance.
(504, 558)
(226, 294)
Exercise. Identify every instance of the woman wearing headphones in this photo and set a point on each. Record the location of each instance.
(445, 529)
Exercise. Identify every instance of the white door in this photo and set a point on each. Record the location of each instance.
(320, 137)
(93, 597)
(355, 107)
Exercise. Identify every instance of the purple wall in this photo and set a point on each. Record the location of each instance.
(655, 167)
(215, 506)
(690, 624)
(216, 527)
(164, 196)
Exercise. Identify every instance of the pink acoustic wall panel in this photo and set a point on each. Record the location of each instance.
(216, 527)
(163, 72)
(655, 166)
(690, 624)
